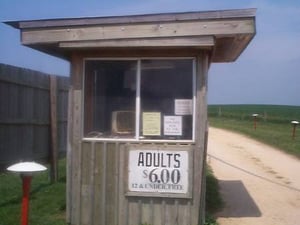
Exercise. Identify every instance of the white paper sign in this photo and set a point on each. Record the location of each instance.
(158, 171)
(183, 106)
(173, 125)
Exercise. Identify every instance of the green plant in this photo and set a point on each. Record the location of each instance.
(209, 220)
(213, 199)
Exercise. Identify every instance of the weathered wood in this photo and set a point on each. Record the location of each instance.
(86, 190)
(23, 77)
(203, 183)
(69, 166)
(100, 204)
(99, 192)
(111, 187)
(103, 201)
(146, 212)
(134, 211)
(25, 113)
(125, 31)
(230, 48)
(158, 213)
(171, 213)
(76, 149)
(53, 127)
(201, 115)
(162, 17)
(199, 42)
(233, 29)
(184, 212)
(62, 113)
(77, 72)
(122, 186)
(139, 52)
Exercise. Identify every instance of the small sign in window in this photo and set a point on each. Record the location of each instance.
(173, 125)
(151, 124)
(183, 106)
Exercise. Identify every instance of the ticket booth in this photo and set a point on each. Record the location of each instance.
(137, 118)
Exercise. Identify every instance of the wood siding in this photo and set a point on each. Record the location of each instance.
(96, 189)
(101, 197)
(129, 31)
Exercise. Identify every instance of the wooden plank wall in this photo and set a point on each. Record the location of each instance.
(25, 114)
(100, 198)
(96, 174)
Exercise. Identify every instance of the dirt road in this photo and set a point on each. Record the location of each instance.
(259, 184)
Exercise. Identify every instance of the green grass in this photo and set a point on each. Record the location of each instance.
(267, 113)
(213, 200)
(47, 201)
(273, 124)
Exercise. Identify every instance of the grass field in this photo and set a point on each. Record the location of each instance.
(273, 123)
(47, 201)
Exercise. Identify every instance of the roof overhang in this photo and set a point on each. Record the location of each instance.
(225, 33)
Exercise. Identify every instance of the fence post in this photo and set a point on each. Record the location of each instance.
(53, 129)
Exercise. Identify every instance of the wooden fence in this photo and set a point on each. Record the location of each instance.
(31, 122)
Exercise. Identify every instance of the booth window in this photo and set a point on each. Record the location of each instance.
(110, 95)
(139, 99)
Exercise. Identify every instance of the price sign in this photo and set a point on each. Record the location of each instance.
(162, 171)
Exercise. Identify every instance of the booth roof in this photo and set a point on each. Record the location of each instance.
(225, 32)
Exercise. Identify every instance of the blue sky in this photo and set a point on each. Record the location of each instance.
(267, 72)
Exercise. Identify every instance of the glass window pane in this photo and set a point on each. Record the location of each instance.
(167, 99)
(110, 93)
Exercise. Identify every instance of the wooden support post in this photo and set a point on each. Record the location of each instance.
(254, 120)
(294, 124)
(53, 130)
(294, 132)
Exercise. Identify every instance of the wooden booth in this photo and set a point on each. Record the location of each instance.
(137, 124)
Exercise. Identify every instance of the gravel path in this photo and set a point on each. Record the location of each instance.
(259, 184)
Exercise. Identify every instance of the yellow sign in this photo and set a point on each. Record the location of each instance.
(151, 123)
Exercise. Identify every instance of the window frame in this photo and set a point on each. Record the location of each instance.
(136, 137)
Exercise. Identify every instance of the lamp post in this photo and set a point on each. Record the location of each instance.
(255, 115)
(26, 170)
(294, 124)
